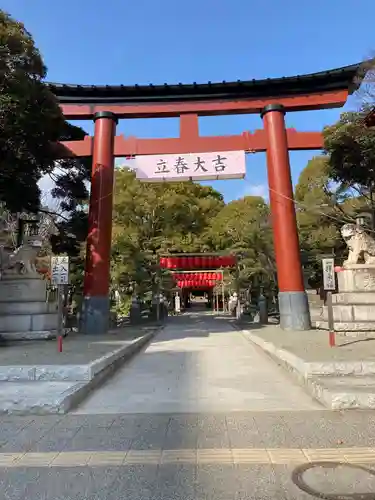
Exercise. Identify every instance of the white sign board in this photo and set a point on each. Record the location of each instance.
(329, 281)
(191, 166)
(177, 303)
(59, 270)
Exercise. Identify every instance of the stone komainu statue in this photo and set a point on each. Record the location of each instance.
(22, 261)
(360, 244)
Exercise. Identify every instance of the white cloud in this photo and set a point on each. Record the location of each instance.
(256, 190)
(120, 162)
(125, 162)
(46, 184)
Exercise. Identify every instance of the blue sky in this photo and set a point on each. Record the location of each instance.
(118, 41)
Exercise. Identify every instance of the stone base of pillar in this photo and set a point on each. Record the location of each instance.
(95, 315)
(294, 311)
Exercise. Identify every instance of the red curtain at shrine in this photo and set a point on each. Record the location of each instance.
(197, 262)
(197, 280)
(196, 284)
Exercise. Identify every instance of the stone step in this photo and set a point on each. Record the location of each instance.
(344, 393)
(30, 335)
(315, 299)
(337, 384)
(49, 389)
(351, 329)
(39, 398)
(354, 298)
(351, 313)
(28, 322)
(7, 308)
(316, 312)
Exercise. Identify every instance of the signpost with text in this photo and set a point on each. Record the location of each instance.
(329, 281)
(60, 278)
(329, 284)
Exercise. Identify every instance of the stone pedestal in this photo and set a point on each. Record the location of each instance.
(314, 299)
(24, 312)
(316, 304)
(354, 305)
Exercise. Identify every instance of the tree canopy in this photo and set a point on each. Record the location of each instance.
(30, 118)
(350, 149)
(71, 177)
(151, 219)
(243, 228)
(316, 216)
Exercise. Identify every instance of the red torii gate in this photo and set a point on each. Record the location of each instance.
(271, 98)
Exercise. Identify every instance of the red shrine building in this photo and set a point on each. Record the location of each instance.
(198, 273)
(271, 98)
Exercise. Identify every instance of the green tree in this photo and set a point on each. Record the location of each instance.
(151, 219)
(30, 118)
(71, 177)
(317, 217)
(350, 148)
(322, 207)
(243, 228)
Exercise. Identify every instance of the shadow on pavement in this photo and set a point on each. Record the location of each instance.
(357, 341)
(334, 473)
(202, 325)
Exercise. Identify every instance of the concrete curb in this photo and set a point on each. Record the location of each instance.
(285, 358)
(355, 395)
(63, 372)
(102, 370)
(313, 368)
(317, 377)
(61, 402)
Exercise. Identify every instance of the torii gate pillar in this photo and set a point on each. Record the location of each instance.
(95, 311)
(293, 303)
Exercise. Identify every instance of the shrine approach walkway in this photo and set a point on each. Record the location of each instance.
(199, 363)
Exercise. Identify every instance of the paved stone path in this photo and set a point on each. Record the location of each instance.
(242, 455)
(150, 439)
(192, 456)
(198, 363)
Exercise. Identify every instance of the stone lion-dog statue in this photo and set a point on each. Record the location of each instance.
(22, 261)
(360, 244)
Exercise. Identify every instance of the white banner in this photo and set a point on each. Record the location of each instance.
(191, 166)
